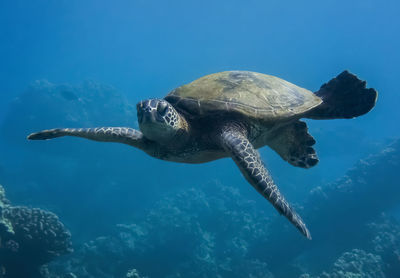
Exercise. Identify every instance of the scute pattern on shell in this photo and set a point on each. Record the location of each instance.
(251, 94)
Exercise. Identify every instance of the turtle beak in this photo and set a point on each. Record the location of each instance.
(145, 116)
(148, 116)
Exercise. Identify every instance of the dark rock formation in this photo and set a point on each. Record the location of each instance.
(29, 239)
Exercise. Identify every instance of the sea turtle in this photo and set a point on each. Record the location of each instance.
(232, 114)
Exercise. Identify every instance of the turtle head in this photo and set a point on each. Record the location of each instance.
(159, 121)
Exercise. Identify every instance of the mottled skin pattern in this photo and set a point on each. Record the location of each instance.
(125, 135)
(235, 142)
(231, 114)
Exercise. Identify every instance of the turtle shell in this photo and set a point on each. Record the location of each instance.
(254, 95)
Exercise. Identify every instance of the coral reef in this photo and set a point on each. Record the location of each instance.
(214, 231)
(199, 232)
(379, 258)
(133, 273)
(338, 214)
(386, 242)
(214, 227)
(355, 263)
(32, 238)
(367, 190)
(6, 228)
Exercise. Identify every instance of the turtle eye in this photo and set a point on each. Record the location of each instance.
(162, 108)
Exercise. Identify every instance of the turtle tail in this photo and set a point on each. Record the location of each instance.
(344, 97)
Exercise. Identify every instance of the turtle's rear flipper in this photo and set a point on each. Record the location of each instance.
(344, 97)
(294, 144)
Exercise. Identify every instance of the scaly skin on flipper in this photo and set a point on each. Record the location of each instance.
(123, 135)
(235, 142)
(294, 144)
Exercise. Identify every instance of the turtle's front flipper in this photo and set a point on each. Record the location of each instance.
(235, 142)
(123, 135)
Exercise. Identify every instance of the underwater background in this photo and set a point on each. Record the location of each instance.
(76, 208)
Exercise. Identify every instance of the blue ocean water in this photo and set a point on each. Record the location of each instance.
(87, 63)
